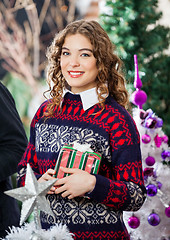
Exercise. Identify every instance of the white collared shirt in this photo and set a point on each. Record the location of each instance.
(89, 97)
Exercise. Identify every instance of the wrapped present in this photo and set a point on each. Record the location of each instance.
(72, 158)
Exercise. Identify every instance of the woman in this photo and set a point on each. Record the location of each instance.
(87, 106)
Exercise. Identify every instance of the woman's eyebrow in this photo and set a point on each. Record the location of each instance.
(82, 49)
(85, 49)
(64, 48)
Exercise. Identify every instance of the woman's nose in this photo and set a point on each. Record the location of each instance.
(74, 62)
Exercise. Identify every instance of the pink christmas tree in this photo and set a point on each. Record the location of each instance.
(152, 221)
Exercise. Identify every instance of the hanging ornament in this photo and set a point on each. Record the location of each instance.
(165, 154)
(150, 161)
(167, 211)
(146, 138)
(134, 222)
(153, 219)
(138, 97)
(151, 190)
(165, 138)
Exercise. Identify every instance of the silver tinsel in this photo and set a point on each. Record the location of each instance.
(28, 231)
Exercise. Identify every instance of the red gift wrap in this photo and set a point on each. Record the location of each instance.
(72, 158)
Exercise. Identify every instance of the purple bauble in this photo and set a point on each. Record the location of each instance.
(150, 161)
(165, 154)
(159, 123)
(146, 138)
(151, 190)
(167, 211)
(154, 219)
(139, 97)
(134, 222)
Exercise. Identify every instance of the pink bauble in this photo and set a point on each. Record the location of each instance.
(167, 211)
(165, 138)
(146, 138)
(139, 97)
(134, 222)
(150, 161)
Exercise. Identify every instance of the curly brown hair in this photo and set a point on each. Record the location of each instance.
(109, 80)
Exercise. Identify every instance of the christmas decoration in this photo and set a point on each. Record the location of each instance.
(139, 97)
(134, 222)
(167, 211)
(150, 161)
(153, 219)
(134, 27)
(151, 190)
(30, 232)
(33, 197)
(154, 215)
(146, 138)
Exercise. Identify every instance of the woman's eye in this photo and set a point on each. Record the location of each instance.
(65, 53)
(85, 55)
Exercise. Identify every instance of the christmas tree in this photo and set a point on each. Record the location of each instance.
(133, 26)
(152, 221)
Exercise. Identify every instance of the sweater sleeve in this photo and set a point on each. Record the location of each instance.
(30, 155)
(124, 189)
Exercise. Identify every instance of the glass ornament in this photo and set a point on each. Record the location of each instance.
(165, 138)
(159, 122)
(150, 161)
(165, 154)
(153, 219)
(146, 138)
(134, 222)
(138, 97)
(167, 211)
(151, 190)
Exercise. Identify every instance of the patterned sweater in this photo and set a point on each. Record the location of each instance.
(119, 183)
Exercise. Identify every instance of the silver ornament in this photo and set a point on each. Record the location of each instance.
(33, 197)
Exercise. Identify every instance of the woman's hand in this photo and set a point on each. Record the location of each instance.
(77, 184)
(46, 177)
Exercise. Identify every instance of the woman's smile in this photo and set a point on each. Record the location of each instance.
(75, 74)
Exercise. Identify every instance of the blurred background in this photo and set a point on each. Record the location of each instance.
(142, 27)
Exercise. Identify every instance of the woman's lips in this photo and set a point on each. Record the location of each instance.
(75, 74)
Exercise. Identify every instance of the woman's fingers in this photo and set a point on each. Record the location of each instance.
(48, 175)
(51, 171)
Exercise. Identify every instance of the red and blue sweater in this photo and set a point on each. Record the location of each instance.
(119, 183)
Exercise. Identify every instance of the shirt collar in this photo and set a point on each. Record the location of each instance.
(88, 98)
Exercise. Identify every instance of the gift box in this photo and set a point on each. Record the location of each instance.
(72, 158)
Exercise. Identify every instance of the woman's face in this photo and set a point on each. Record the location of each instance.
(78, 64)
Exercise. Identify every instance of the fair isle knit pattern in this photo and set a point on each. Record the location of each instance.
(119, 183)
